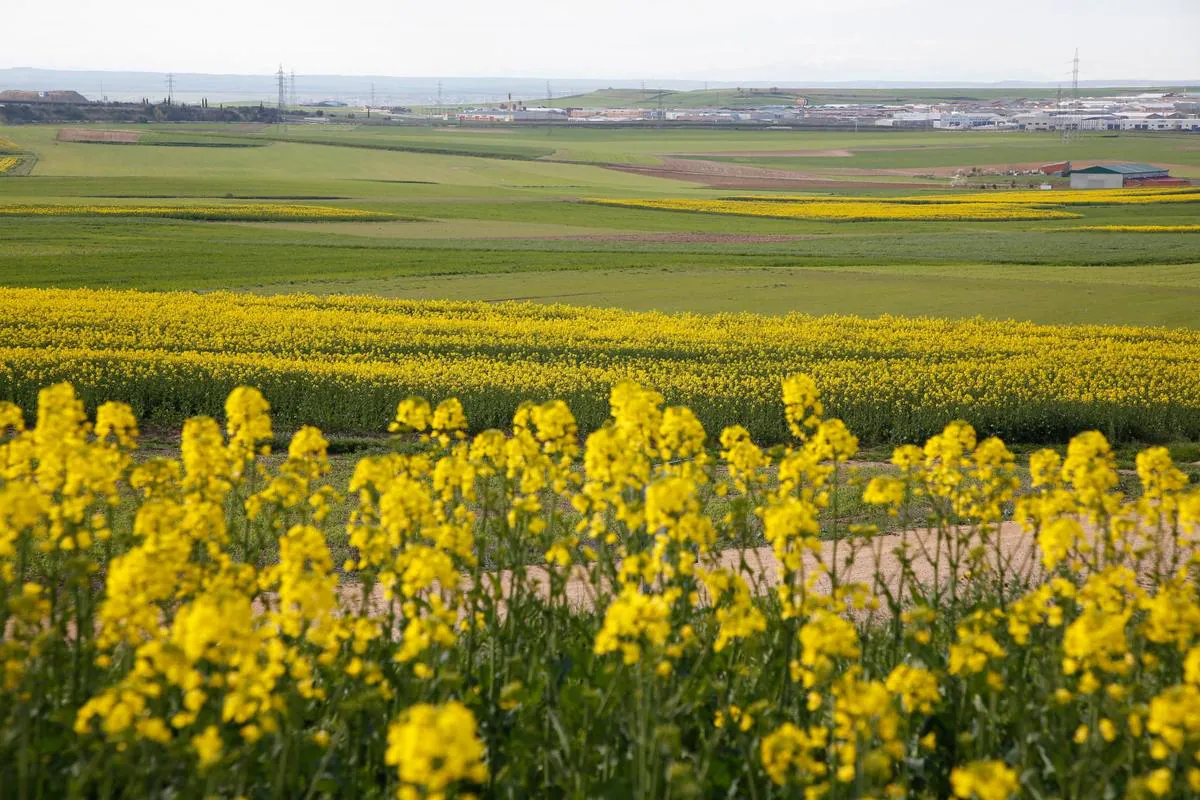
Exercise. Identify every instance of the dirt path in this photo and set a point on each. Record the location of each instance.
(1009, 547)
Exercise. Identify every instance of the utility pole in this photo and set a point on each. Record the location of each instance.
(170, 88)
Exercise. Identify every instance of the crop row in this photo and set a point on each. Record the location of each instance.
(1138, 228)
(1032, 197)
(342, 361)
(853, 210)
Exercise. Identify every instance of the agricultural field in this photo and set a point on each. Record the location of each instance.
(342, 361)
(507, 213)
(356, 460)
(521, 615)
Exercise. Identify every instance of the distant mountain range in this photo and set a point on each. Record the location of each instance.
(393, 90)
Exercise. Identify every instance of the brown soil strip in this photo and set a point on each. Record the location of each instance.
(775, 153)
(98, 136)
(793, 183)
(718, 174)
(684, 238)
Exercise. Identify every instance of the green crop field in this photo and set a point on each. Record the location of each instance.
(498, 213)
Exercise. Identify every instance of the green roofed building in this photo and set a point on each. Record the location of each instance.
(1118, 176)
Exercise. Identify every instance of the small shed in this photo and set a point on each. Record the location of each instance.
(1115, 176)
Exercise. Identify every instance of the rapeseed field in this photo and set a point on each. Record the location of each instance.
(528, 612)
(340, 362)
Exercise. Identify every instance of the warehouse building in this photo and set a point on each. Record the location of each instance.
(1118, 176)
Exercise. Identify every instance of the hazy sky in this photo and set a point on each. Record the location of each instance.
(969, 40)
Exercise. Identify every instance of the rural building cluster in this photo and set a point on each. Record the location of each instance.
(1150, 111)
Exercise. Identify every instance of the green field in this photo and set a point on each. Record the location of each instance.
(495, 213)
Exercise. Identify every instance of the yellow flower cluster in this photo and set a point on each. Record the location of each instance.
(343, 360)
(8, 162)
(435, 747)
(634, 609)
(848, 209)
(985, 780)
(231, 212)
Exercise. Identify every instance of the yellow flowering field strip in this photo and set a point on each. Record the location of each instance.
(1037, 198)
(248, 212)
(1079, 197)
(8, 162)
(852, 210)
(530, 613)
(1138, 228)
(342, 360)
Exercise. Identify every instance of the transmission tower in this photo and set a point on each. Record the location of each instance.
(282, 81)
(439, 95)
(1075, 77)
(292, 89)
(1073, 122)
(549, 95)
(170, 88)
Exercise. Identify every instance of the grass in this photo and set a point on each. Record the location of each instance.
(1057, 294)
(1012, 150)
(502, 223)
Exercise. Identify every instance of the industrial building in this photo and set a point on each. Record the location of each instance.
(1118, 176)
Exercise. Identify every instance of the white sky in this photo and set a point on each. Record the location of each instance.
(788, 40)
